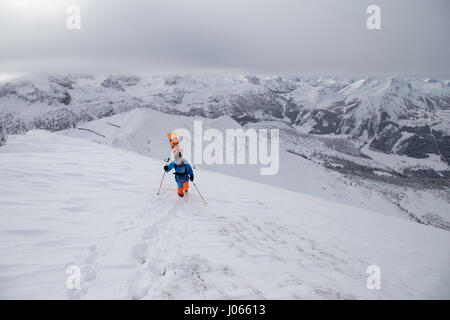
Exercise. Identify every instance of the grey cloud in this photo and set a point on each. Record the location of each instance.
(260, 36)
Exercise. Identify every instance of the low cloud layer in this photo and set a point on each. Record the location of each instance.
(251, 36)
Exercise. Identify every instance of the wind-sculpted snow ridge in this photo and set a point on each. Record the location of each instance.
(392, 115)
(328, 167)
(72, 202)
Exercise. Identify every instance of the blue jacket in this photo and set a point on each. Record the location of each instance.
(182, 171)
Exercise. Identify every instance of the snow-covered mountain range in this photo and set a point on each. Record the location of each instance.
(392, 115)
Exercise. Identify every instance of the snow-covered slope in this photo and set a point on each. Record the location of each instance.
(67, 201)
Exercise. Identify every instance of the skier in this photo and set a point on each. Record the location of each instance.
(183, 173)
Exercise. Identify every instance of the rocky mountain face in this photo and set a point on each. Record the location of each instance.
(2, 137)
(392, 115)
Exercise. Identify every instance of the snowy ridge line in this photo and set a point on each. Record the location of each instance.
(112, 124)
(85, 129)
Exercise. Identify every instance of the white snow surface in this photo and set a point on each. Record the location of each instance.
(69, 201)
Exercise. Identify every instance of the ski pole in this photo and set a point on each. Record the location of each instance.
(160, 185)
(199, 192)
(162, 179)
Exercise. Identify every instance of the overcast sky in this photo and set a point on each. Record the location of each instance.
(314, 37)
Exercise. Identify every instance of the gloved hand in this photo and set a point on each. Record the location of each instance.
(166, 168)
(191, 177)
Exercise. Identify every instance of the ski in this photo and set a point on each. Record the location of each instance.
(174, 143)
